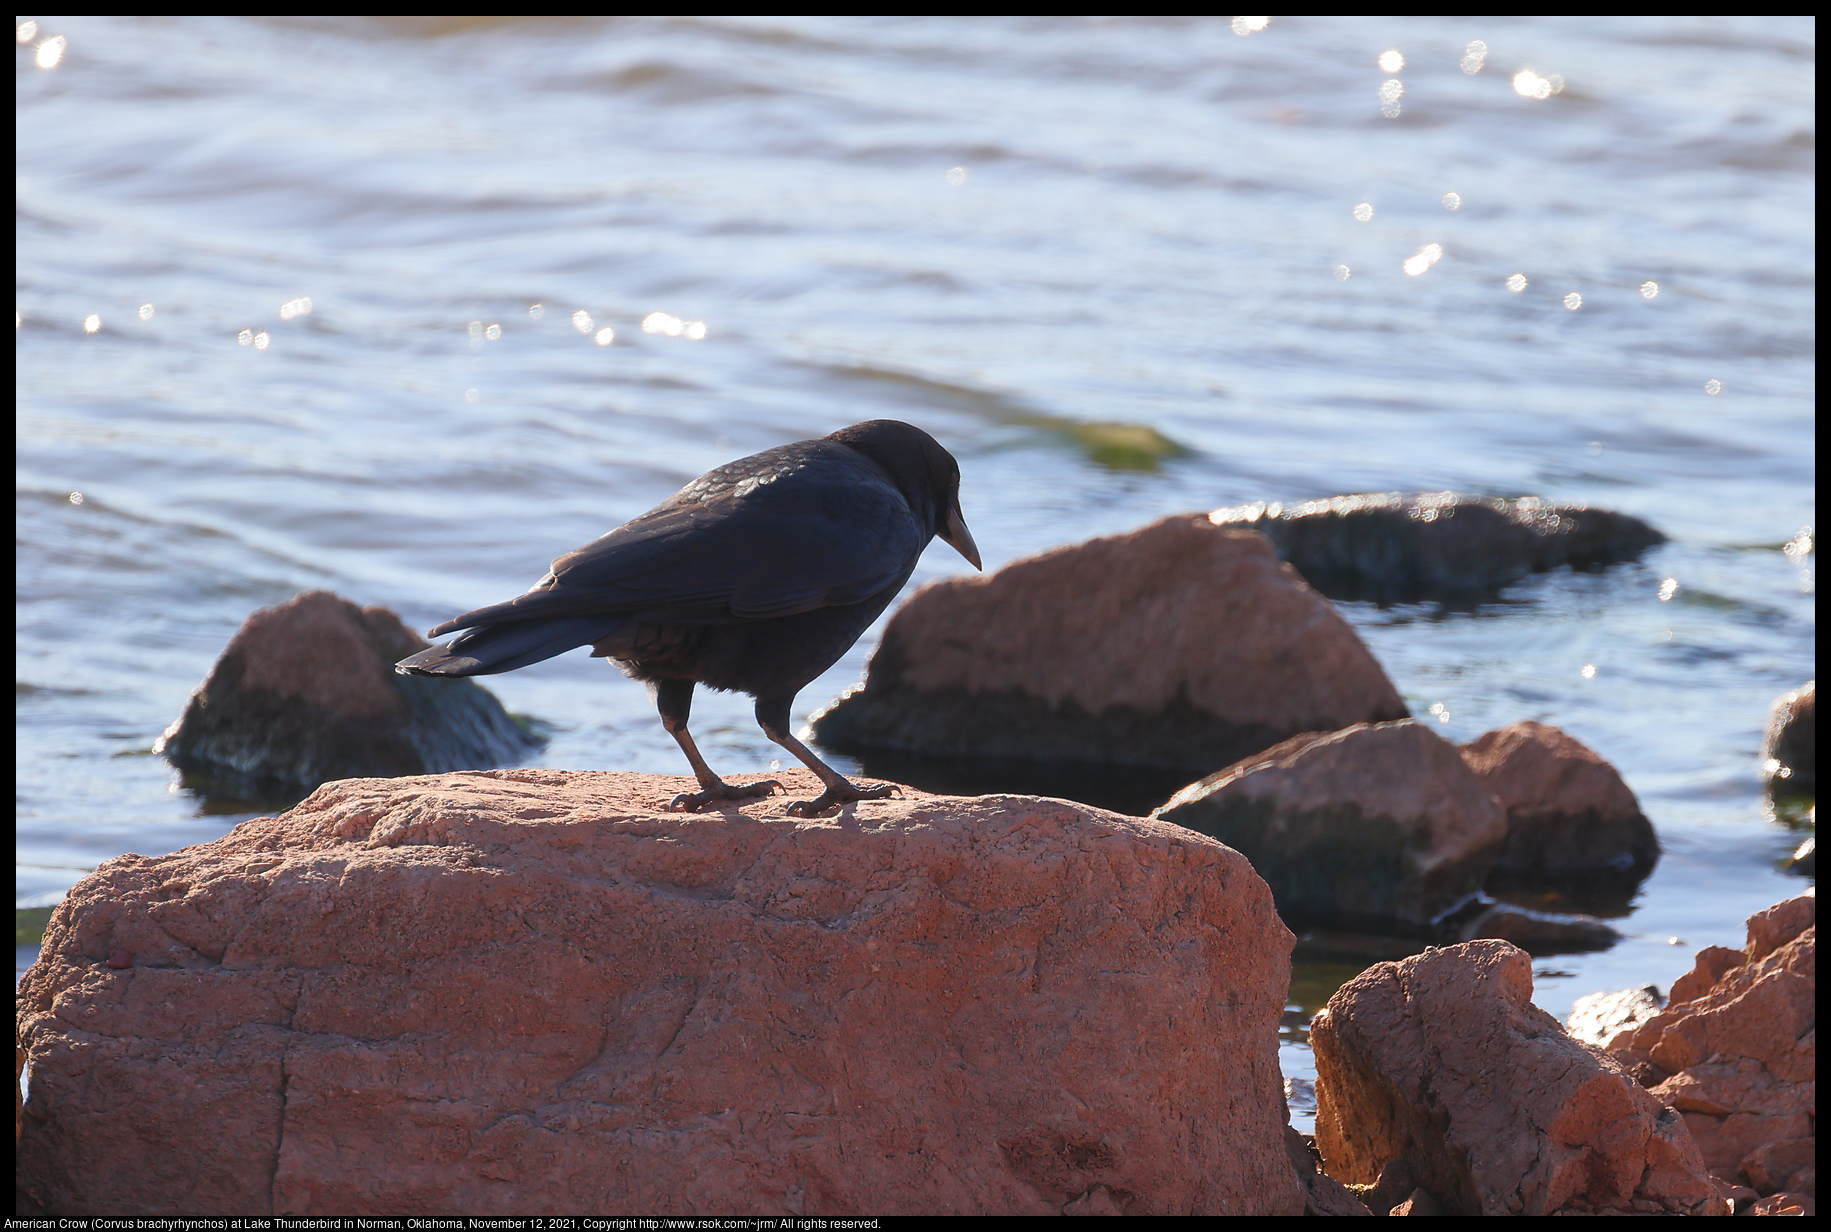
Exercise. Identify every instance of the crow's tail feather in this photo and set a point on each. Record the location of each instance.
(505, 647)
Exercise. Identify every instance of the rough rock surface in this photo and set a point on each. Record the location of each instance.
(534, 991)
(1182, 645)
(1735, 1050)
(1442, 1061)
(1380, 822)
(1394, 547)
(1569, 814)
(306, 692)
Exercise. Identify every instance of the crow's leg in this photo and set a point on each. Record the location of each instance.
(772, 716)
(674, 699)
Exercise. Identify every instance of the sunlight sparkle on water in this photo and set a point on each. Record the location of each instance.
(1528, 84)
(1423, 259)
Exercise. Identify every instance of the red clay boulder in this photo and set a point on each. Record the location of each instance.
(1373, 825)
(533, 991)
(1182, 646)
(1442, 1061)
(1735, 1051)
(1569, 814)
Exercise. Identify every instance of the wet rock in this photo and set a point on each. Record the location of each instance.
(1442, 1060)
(1735, 1051)
(306, 692)
(1540, 932)
(1182, 646)
(1569, 814)
(1804, 860)
(526, 991)
(1789, 750)
(1394, 547)
(1601, 1016)
(1372, 824)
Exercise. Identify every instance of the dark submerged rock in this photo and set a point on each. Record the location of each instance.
(306, 692)
(1789, 752)
(1394, 547)
(1540, 932)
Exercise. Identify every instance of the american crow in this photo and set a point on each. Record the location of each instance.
(755, 578)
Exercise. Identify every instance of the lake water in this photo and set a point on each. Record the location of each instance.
(405, 308)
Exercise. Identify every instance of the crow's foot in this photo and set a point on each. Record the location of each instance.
(720, 791)
(844, 793)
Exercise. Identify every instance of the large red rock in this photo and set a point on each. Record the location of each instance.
(1183, 646)
(1569, 813)
(1735, 1050)
(1442, 1061)
(533, 991)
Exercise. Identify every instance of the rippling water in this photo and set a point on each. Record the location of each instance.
(405, 308)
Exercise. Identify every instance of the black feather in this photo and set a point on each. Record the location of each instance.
(756, 577)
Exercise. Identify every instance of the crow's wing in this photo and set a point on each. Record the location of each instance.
(788, 530)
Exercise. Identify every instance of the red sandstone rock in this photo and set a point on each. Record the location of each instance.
(534, 991)
(1735, 1048)
(1443, 1061)
(1569, 814)
(1182, 645)
(1375, 822)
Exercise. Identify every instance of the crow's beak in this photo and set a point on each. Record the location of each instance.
(957, 536)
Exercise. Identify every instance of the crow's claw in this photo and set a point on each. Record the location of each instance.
(720, 791)
(832, 797)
